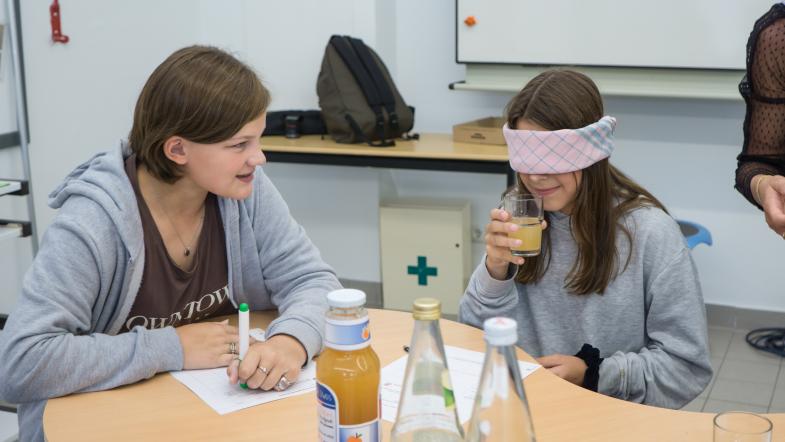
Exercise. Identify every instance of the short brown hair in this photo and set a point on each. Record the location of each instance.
(564, 99)
(200, 93)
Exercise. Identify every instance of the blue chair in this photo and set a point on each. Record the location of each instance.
(694, 233)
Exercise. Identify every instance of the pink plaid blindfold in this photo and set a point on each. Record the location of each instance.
(559, 151)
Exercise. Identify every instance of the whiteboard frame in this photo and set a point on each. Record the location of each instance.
(588, 65)
(624, 81)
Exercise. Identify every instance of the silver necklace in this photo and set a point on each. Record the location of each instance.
(187, 248)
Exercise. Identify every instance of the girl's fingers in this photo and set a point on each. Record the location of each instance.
(231, 370)
(293, 374)
(503, 255)
(499, 215)
(501, 227)
(261, 374)
(507, 243)
(248, 365)
(275, 375)
(550, 360)
(559, 371)
(258, 377)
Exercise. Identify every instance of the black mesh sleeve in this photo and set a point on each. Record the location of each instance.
(763, 89)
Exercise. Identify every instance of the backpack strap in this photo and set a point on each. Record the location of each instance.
(385, 93)
(344, 48)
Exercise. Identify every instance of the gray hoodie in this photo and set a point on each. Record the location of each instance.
(649, 325)
(62, 337)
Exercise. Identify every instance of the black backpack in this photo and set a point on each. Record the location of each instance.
(359, 101)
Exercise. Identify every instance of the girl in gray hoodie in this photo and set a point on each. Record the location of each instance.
(613, 301)
(176, 226)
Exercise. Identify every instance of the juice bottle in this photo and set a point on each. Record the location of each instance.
(348, 373)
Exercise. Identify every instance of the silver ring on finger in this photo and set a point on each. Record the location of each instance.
(232, 348)
(263, 370)
(282, 384)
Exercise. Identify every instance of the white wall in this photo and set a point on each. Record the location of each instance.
(82, 95)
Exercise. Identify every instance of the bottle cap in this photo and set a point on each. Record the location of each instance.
(243, 307)
(346, 298)
(427, 309)
(500, 331)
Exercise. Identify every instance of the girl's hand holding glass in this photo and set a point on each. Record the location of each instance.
(498, 245)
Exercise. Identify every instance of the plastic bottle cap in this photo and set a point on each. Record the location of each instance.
(500, 331)
(427, 309)
(346, 298)
(243, 307)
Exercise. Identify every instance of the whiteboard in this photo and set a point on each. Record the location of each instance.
(701, 34)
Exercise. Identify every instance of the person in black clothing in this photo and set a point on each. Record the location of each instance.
(761, 164)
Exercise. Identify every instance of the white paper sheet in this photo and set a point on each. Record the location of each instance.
(213, 387)
(465, 370)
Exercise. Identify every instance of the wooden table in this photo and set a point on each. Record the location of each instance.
(430, 152)
(163, 409)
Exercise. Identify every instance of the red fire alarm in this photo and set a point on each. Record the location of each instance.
(54, 15)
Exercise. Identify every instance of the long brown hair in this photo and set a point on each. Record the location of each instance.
(564, 99)
(200, 93)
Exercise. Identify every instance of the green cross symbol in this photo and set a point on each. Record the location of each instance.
(422, 271)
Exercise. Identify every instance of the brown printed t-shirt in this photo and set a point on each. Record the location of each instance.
(168, 294)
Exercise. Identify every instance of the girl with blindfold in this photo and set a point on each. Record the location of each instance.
(613, 301)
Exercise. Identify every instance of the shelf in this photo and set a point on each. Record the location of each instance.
(10, 231)
(625, 82)
(7, 187)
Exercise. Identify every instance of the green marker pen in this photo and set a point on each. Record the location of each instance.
(244, 333)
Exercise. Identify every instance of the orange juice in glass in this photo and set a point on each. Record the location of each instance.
(526, 212)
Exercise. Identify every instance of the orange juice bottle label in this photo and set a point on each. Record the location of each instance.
(347, 335)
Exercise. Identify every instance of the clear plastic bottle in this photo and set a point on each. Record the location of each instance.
(501, 412)
(426, 410)
(348, 373)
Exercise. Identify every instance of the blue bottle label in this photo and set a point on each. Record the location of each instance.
(328, 413)
(330, 429)
(347, 335)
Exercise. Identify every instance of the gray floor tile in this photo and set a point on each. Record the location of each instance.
(717, 406)
(753, 393)
(695, 405)
(749, 371)
(739, 350)
(716, 364)
(719, 339)
(778, 401)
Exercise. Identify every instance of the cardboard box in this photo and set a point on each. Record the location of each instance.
(483, 131)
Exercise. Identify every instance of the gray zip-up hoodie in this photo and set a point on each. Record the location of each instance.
(62, 337)
(649, 325)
